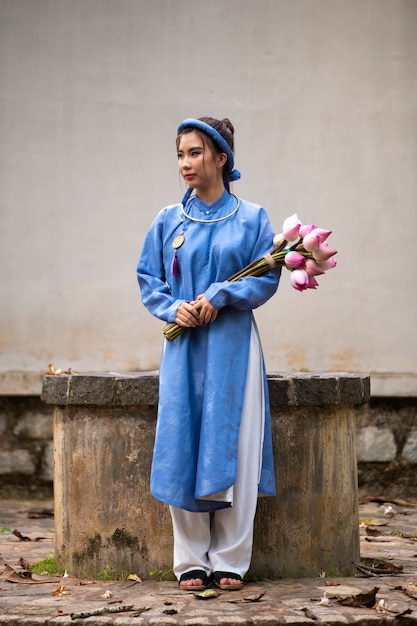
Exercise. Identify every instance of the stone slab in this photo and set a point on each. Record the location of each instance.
(136, 388)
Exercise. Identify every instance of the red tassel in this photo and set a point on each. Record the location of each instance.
(175, 265)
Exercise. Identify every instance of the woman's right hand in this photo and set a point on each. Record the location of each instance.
(187, 315)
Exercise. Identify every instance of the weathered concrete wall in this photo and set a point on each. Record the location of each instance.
(387, 447)
(323, 96)
(26, 443)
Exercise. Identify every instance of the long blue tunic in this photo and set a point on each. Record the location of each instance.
(203, 372)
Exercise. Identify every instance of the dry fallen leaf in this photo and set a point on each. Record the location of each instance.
(40, 513)
(86, 582)
(374, 532)
(255, 598)
(396, 610)
(60, 591)
(208, 594)
(361, 599)
(19, 535)
(25, 577)
(372, 521)
(383, 568)
(51, 371)
(106, 594)
(410, 589)
(381, 606)
(134, 577)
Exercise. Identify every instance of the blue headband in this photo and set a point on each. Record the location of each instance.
(233, 174)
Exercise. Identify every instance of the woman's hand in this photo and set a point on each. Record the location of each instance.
(195, 313)
(207, 312)
(187, 315)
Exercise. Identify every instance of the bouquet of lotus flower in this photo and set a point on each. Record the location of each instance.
(302, 249)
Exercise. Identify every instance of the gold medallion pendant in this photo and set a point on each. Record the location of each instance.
(178, 241)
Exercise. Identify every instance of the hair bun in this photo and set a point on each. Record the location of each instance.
(228, 125)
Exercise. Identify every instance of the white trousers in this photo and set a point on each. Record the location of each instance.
(222, 540)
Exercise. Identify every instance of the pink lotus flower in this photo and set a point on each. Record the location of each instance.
(306, 229)
(299, 280)
(313, 268)
(324, 252)
(278, 239)
(291, 227)
(312, 283)
(328, 264)
(308, 255)
(314, 238)
(294, 259)
(322, 234)
(311, 242)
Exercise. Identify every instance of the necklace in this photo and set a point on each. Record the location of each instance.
(218, 219)
(179, 239)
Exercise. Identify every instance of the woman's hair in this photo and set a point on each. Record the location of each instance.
(225, 128)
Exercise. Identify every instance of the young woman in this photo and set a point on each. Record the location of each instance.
(213, 451)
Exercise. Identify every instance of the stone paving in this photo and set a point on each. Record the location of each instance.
(388, 541)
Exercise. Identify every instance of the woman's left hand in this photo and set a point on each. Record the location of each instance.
(207, 312)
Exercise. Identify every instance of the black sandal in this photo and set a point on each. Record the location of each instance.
(217, 577)
(194, 573)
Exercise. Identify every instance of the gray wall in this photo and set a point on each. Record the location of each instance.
(323, 97)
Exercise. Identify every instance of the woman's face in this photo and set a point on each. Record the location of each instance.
(199, 166)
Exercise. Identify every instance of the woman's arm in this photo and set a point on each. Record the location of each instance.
(156, 293)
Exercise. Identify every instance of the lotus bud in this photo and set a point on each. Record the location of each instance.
(327, 264)
(312, 283)
(306, 229)
(313, 268)
(322, 233)
(299, 280)
(278, 239)
(311, 242)
(291, 227)
(324, 252)
(294, 259)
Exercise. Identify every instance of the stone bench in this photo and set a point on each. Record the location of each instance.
(106, 519)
